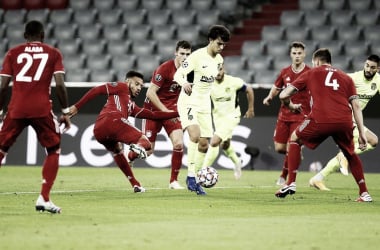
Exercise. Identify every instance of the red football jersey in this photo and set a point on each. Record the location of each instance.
(31, 65)
(287, 76)
(331, 91)
(169, 90)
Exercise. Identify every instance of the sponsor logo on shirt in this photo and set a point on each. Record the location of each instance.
(207, 79)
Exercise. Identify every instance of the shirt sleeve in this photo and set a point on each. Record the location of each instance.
(187, 66)
(91, 94)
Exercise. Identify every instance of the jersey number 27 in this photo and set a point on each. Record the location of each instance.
(29, 59)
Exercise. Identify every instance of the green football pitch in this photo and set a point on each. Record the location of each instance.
(100, 211)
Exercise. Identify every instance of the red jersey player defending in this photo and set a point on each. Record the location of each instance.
(334, 101)
(287, 120)
(162, 95)
(112, 127)
(32, 66)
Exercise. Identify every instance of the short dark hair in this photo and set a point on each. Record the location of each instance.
(297, 44)
(182, 44)
(219, 31)
(33, 28)
(374, 58)
(133, 73)
(323, 54)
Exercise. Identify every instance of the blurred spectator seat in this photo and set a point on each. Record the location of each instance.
(146, 64)
(103, 75)
(333, 4)
(77, 75)
(291, 18)
(335, 47)
(158, 17)
(201, 4)
(123, 62)
(143, 47)
(184, 17)
(65, 31)
(163, 32)
(235, 63)
(85, 17)
(190, 33)
(314, 18)
(176, 4)
(359, 5)
(371, 33)
(272, 33)
(266, 76)
(14, 16)
(309, 4)
(277, 48)
(69, 46)
(139, 32)
(94, 46)
(323, 33)
(253, 48)
(246, 75)
(342, 17)
(110, 17)
(59, 17)
(367, 17)
(127, 5)
(104, 5)
(98, 62)
(118, 47)
(152, 4)
(90, 31)
(80, 4)
(259, 63)
(297, 33)
(115, 31)
(207, 18)
(349, 33)
(74, 61)
(134, 17)
(15, 31)
(356, 48)
(166, 49)
(41, 15)
(342, 62)
(281, 62)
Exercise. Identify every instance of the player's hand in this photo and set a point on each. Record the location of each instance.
(362, 142)
(295, 107)
(73, 111)
(65, 120)
(249, 114)
(267, 100)
(188, 88)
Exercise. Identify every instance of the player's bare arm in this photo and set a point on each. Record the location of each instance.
(272, 93)
(153, 97)
(63, 100)
(251, 100)
(358, 116)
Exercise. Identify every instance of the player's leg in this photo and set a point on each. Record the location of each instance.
(230, 152)
(176, 136)
(213, 151)
(280, 138)
(344, 140)
(121, 161)
(48, 134)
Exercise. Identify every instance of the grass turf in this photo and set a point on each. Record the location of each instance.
(100, 211)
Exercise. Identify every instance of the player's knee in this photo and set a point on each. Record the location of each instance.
(54, 149)
(373, 141)
(280, 148)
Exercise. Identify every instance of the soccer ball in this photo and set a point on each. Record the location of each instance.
(207, 177)
(315, 166)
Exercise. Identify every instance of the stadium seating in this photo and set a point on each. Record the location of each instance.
(94, 46)
(85, 17)
(166, 49)
(59, 17)
(272, 33)
(309, 4)
(41, 15)
(176, 4)
(152, 4)
(316, 18)
(291, 18)
(342, 17)
(253, 48)
(118, 47)
(333, 4)
(123, 62)
(103, 75)
(164, 32)
(367, 17)
(102, 5)
(184, 17)
(80, 4)
(11, 17)
(70, 46)
(359, 5)
(73, 61)
(77, 75)
(113, 32)
(323, 33)
(143, 47)
(158, 17)
(235, 63)
(98, 62)
(297, 33)
(277, 48)
(349, 33)
(110, 17)
(127, 5)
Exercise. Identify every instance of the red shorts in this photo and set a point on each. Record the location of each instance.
(112, 128)
(152, 127)
(312, 134)
(47, 130)
(283, 130)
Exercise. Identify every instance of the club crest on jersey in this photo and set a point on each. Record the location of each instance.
(158, 77)
(373, 86)
(185, 64)
(113, 84)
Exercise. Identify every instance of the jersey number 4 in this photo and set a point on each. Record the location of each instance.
(28, 61)
(331, 82)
